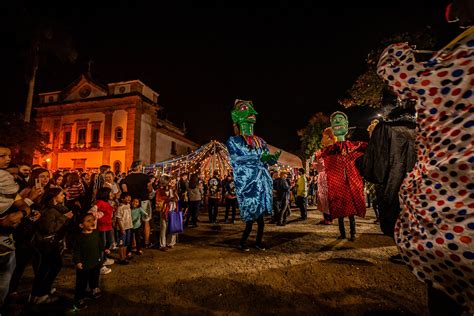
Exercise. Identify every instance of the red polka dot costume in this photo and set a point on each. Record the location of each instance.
(435, 230)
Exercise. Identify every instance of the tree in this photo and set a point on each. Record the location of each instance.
(369, 89)
(311, 135)
(40, 40)
(22, 137)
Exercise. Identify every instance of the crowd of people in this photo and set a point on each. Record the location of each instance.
(419, 168)
(93, 214)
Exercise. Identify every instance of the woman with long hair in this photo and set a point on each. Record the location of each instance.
(49, 242)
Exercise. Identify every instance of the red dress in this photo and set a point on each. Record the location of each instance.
(345, 185)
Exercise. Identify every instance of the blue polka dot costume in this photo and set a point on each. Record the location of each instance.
(435, 230)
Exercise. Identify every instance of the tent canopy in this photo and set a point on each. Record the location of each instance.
(213, 156)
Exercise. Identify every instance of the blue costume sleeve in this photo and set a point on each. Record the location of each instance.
(253, 183)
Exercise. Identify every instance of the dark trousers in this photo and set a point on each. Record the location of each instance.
(24, 255)
(228, 204)
(283, 211)
(302, 203)
(248, 230)
(213, 208)
(352, 225)
(86, 277)
(439, 303)
(48, 263)
(193, 211)
(137, 233)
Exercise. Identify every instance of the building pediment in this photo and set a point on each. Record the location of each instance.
(83, 88)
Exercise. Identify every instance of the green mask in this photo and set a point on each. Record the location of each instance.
(339, 125)
(245, 116)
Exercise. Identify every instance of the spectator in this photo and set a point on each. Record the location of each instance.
(230, 198)
(302, 194)
(139, 186)
(24, 171)
(57, 179)
(195, 195)
(282, 188)
(124, 227)
(87, 260)
(137, 215)
(99, 180)
(12, 210)
(166, 201)
(49, 241)
(214, 189)
(110, 183)
(182, 193)
(103, 212)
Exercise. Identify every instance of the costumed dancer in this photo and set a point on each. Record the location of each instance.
(328, 139)
(435, 230)
(345, 185)
(250, 158)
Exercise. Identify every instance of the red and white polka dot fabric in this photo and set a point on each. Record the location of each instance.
(435, 230)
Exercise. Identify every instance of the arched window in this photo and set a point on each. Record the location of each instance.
(117, 166)
(118, 134)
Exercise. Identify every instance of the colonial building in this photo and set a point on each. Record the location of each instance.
(89, 124)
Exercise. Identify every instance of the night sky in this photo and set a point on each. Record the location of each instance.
(291, 61)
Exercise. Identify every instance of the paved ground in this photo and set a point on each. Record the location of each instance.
(305, 271)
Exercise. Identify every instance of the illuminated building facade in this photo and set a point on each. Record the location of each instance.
(89, 124)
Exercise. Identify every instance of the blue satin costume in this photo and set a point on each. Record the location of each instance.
(253, 183)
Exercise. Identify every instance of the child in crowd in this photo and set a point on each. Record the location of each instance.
(87, 259)
(137, 215)
(166, 201)
(124, 225)
(103, 212)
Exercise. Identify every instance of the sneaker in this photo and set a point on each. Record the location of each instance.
(353, 238)
(96, 293)
(163, 249)
(244, 248)
(109, 262)
(105, 270)
(260, 247)
(80, 305)
(45, 299)
(341, 237)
